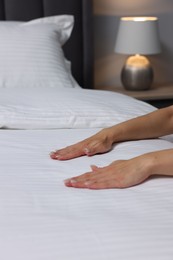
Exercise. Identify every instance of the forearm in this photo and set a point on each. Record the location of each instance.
(161, 162)
(152, 125)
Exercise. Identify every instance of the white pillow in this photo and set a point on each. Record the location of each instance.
(64, 25)
(43, 108)
(31, 53)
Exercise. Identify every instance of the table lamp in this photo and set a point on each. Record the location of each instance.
(137, 36)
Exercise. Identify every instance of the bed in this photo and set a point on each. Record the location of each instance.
(48, 105)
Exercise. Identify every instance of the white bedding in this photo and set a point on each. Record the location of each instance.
(41, 219)
(31, 53)
(48, 108)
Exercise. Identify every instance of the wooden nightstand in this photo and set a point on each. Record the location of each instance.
(158, 96)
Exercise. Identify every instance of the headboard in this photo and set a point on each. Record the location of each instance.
(79, 49)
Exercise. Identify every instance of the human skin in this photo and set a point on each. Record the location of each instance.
(123, 173)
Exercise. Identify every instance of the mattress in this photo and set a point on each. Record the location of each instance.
(42, 219)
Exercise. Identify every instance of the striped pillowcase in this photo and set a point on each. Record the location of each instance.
(31, 54)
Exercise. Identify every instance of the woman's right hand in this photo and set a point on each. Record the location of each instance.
(98, 143)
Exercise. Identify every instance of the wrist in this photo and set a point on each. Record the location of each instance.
(107, 135)
(146, 163)
(151, 163)
(161, 162)
(115, 134)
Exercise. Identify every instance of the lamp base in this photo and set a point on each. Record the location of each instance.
(137, 73)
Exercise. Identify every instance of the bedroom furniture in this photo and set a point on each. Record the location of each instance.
(161, 96)
(137, 36)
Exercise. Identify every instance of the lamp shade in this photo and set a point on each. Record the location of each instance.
(138, 35)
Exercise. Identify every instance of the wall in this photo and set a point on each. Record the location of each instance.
(106, 18)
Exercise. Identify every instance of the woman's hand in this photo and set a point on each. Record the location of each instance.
(98, 143)
(119, 174)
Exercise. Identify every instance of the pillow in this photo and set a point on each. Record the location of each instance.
(64, 25)
(31, 53)
(43, 108)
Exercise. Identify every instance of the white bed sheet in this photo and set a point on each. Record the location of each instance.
(41, 219)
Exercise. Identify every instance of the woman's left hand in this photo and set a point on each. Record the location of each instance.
(119, 174)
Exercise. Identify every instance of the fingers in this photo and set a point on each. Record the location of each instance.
(70, 152)
(106, 184)
(96, 179)
(67, 154)
(79, 149)
(79, 181)
(91, 183)
(90, 146)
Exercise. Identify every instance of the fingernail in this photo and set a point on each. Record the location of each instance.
(87, 183)
(67, 181)
(54, 151)
(73, 181)
(86, 151)
(55, 156)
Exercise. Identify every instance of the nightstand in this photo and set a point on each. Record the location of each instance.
(158, 96)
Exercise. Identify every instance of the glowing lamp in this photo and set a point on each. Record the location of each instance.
(137, 36)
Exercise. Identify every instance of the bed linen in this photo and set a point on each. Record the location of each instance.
(52, 108)
(31, 53)
(41, 219)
